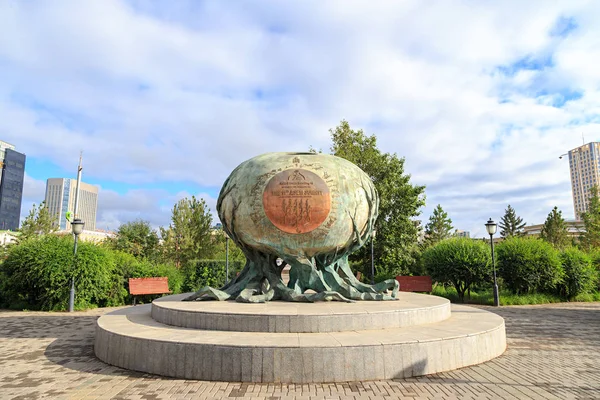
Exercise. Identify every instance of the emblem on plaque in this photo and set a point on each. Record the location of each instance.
(297, 200)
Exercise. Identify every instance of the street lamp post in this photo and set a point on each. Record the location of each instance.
(373, 258)
(491, 227)
(226, 258)
(77, 227)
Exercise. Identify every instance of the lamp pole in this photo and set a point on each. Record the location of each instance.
(77, 227)
(373, 258)
(226, 258)
(491, 227)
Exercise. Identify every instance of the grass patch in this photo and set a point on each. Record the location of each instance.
(588, 297)
(486, 297)
(483, 297)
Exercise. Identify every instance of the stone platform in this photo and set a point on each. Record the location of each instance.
(296, 342)
(285, 317)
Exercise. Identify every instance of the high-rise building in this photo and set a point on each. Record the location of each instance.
(584, 164)
(461, 233)
(60, 198)
(11, 186)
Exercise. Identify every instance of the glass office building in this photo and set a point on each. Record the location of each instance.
(11, 187)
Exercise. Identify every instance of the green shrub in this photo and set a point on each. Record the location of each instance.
(580, 275)
(128, 266)
(36, 274)
(200, 273)
(146, 269)
(461, 262)
(595, 257)
(529, 265)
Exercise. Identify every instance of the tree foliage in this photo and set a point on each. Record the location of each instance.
(37, 272)
(529, 265)
(511, 224)
(189, 235)
(201, 273)
(555, 230)
(38, 222)
(220, 248)
(395, 245)
(461, 262)
(580, 275)
(136, 238)
(590, 239)
(439, 226)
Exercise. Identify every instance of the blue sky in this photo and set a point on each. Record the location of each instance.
(166, 98)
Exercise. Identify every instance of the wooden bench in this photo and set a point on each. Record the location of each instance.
(415, 283)
(140, 286)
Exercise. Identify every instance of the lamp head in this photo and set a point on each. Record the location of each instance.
(491, 227)
(77, 226)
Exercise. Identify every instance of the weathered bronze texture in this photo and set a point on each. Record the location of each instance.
(312, 211)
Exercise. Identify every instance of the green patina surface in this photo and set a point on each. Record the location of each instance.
(309, 210)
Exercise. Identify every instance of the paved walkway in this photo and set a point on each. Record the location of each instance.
(553, 353)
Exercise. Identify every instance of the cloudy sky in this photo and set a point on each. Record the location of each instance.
(166, 98)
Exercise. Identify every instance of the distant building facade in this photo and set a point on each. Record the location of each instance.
(96, 236)
(584, 165)
(11, 186)
(60, 198)
(574, 229)
(464, 234)
(8, 237)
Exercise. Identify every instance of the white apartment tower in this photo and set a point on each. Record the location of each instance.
(584, 164)
(60, 198)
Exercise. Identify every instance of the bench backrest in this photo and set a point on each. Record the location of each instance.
(149, 285)
(414, 283)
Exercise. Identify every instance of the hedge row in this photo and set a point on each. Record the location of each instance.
(524, 266)
(36, 275)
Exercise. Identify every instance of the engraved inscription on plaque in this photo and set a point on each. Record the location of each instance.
(296, 200)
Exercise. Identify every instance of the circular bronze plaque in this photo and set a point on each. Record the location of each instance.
(297, 201)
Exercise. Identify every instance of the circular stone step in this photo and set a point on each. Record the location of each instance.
(131, 339)
(284, 317)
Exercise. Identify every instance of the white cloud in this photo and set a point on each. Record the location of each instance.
(158, 92)
(154, 206)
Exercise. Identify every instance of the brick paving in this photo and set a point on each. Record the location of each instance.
(553, 353)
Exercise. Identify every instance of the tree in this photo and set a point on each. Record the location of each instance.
(395, 246)
(38, 222)
(529, 265)
(439, 226)
(220, 248)
(189, 236)
(461, 262)
(511, 224)
(554, 230)
(37, 272)
(136, 238)
(591, 220)
(580, 274)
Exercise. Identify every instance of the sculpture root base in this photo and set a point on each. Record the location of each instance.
(260, 281)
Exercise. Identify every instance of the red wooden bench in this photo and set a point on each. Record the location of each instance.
(415, 283)
(140, 286)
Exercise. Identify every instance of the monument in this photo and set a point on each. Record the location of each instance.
(311, 211)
